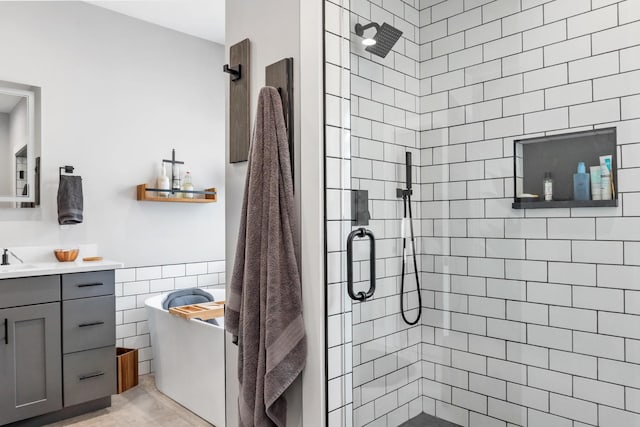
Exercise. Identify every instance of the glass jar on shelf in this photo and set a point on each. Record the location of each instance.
(187, 185)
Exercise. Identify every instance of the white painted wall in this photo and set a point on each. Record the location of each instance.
(5, 156)
(117, 95)
(275, 31)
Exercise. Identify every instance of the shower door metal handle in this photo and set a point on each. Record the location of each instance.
(361, 232)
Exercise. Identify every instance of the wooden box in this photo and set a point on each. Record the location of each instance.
(127, 360)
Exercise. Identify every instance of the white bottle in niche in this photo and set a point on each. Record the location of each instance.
(162, 182)
(187, 185)
(548, 187)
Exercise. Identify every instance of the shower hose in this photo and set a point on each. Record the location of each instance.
(407, 204)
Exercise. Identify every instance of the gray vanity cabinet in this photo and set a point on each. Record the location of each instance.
(57, 346)
(30, 360)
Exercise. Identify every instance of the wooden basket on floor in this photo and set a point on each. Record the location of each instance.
(127, 359)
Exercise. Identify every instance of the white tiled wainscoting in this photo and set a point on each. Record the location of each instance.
(135, 285)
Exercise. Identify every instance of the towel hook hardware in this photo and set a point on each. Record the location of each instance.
(361, 232)
(235, 72)
(66, 169)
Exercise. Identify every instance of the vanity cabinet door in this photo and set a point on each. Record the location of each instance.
(30, 361)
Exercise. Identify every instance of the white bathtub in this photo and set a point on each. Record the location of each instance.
(188, 359)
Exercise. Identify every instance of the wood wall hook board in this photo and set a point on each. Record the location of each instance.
(239, 98)
(280, 76)
(235, 72)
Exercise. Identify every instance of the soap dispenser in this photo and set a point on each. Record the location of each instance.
(581, 183)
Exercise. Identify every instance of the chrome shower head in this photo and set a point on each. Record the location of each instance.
(383, 41)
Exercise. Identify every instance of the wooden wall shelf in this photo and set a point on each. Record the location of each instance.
(210, 196)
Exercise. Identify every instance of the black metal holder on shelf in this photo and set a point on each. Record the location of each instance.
(173, 162)
(159, 190)
(361, 296)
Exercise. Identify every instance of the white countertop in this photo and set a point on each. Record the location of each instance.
(29, 269)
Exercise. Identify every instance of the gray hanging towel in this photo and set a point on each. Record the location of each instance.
(70, 202)
(264, 303)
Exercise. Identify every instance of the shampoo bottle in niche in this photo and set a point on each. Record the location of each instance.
(596, 182)
(581, 183)
(548, 187)
(605, 183)
(162, 182)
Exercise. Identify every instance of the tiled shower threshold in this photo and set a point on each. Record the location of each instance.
(424, 420)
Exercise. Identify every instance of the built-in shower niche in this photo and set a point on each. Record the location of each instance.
(560, 155)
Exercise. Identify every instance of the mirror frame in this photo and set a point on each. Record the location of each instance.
(31, 141)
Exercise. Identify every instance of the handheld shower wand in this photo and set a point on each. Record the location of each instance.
(408, 168)
(405, 194)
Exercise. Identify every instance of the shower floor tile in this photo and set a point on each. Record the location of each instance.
(424, 420)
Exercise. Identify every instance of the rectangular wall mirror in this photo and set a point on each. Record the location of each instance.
(20, 146)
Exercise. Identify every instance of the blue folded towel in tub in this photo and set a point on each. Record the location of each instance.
(187, 297)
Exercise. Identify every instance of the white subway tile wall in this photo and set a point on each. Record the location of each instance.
(531, 318)
(135, 285)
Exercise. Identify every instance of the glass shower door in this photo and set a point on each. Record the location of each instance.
(374, 362)
(530, 311)
(377, 125)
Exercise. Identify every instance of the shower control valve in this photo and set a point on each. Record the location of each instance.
(403, 193)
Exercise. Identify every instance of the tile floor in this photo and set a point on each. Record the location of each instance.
(140, 406)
